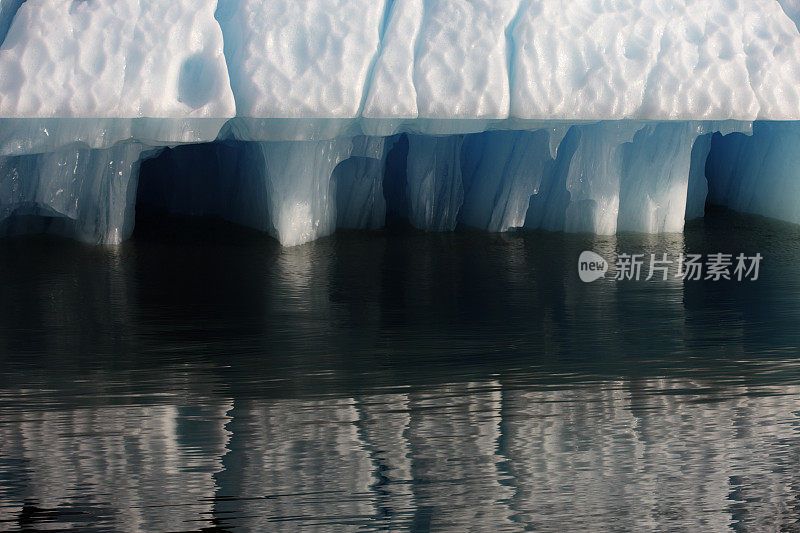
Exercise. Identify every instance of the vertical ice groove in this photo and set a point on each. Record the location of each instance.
(418, 43)
(594, 178)
(131, 76)
(548, 206)
(358, 184)
(511, 48)
(223, 14)
(655, 178)
(751, 70)
(387, 13)
(610, 177)
(384, 23)
(556, 133)
(392, 95)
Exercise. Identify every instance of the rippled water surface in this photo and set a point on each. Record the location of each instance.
(201, 377)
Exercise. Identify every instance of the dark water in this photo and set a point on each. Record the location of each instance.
(201, 377)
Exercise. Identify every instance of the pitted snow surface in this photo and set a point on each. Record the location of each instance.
(404, 60)
(118, 58)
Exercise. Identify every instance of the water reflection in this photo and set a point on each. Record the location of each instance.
(142, 468)
(396, 381)
(643, 454)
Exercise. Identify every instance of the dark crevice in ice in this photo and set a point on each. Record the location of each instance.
(395, 184)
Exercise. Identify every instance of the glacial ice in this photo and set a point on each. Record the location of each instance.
(246, 183)
(501, 171)
(8, 8)
(78, 192)
(86, 59)
(757, 174)
(300, 117)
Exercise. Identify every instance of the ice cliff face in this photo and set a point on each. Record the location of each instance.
(580, 116)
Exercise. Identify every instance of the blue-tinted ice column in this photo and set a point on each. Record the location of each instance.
(502, 170)
(758, 174)
(618, 176)
(307, 200)
(581, 191)
(435, 187)
(89, 195)
(301, 203)
(655, 178)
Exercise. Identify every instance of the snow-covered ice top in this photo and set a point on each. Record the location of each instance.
(114, 59)
(404, 60)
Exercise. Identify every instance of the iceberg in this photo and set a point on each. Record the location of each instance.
(298, 118)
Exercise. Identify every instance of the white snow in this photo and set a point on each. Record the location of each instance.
(117, 59)
(415, 60)
(393, 93)
(291, 59)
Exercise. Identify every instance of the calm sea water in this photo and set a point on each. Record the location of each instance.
(200, 377)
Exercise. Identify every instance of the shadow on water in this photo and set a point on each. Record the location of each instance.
(202, 376)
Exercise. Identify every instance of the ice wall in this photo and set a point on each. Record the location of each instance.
(601, 178)
(575, 116)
